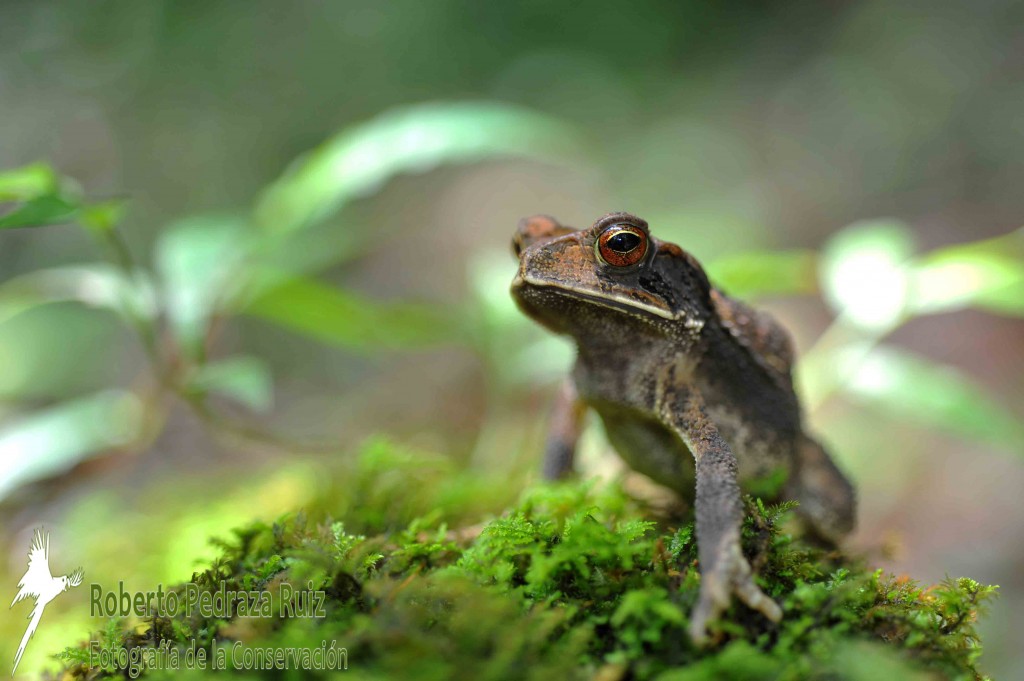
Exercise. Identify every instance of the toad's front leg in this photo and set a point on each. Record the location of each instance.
(567, 416)
(724, 570)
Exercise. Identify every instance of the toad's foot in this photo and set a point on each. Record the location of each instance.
(730, 574)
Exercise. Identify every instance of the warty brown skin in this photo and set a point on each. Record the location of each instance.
(678, 373)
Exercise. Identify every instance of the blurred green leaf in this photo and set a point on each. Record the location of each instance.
(53, 440)
(38, 195)
(341, 318)
(987, 274)
(244, 379)
(27, 182)
(51, 353)
(39, 212)
(864, 273)
(539, 362)
(490, 274)
(197, 260)
(1008, 300)
(861, 661)
(359, 160)
(1010, 245)
(765, 272)
(309, 251)
(935, 395)
(44, 198)
(95, 285)
(519, 351)
(102, 216)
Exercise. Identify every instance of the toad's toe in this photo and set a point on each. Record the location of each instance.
(731, 574)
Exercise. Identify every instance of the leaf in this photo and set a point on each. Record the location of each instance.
(96, 285)
(864, 274)
(39, 197)
(490, 273)
(196, 259)
(27, 182)
(102, 216)
(341, 318)
(765, 272)
(854, 660)
(53, 440)
(39, 212)
(357, 161)
(518, 351)
(934, 395)
(309, 251)
(987, 274)
(244, 379)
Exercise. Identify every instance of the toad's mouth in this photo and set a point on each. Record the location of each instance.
(626, 304)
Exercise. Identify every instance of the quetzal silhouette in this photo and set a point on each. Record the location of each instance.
(39, 584)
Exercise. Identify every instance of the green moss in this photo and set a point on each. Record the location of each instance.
(574, 580)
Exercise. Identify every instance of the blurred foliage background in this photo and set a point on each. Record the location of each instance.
(287, 231)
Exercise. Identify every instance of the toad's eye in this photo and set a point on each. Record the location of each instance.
(622, 245)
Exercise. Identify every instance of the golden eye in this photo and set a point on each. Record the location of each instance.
(622, 245)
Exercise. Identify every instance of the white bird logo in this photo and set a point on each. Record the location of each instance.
(40, 585)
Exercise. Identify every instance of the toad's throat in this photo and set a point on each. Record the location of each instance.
(610, 301)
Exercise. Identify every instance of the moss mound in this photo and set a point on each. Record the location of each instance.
(576, 580)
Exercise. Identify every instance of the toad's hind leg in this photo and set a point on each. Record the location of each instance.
(828, 503)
